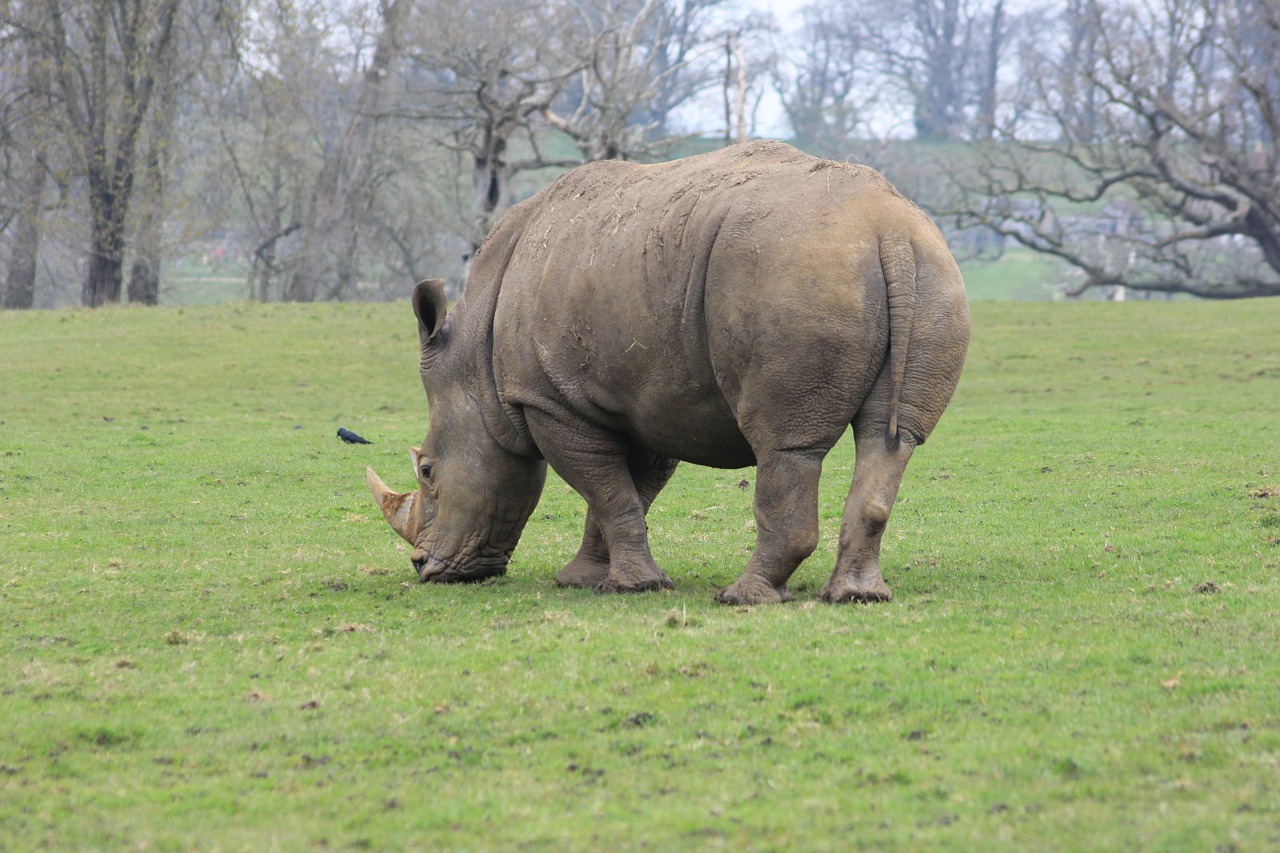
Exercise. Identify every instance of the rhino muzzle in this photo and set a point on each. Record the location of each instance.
(432, 569)
(473, 558)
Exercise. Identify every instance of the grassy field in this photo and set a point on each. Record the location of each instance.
(1020, 275)
(212, 641)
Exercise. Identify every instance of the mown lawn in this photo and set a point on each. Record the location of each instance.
(212, 641)
(1018, 274)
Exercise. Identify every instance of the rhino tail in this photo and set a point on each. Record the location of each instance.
(898, 263)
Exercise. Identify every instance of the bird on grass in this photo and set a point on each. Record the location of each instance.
(350, 437)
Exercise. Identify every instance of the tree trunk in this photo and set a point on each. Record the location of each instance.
(1080, 71)
(106, 103)
(264, 265)
(938, 103)
(103, 280)
(20, 285)
(104, 275)
(987, 101)
(728, 87)
(741, 101)
(144, 274)
(491, 180)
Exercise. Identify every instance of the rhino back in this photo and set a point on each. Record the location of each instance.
(687, 303)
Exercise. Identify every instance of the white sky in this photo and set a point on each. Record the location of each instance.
(786, 11)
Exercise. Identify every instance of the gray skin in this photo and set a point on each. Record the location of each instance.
(742, 307)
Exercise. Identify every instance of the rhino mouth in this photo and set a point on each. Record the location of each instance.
(436, 570)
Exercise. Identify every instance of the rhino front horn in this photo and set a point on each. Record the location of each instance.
(397, 508)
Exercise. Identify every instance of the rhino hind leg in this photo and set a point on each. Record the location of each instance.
(786, 512)
(877, 475)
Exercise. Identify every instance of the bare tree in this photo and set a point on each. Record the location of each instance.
(286, 122)
(925, 47)
(988, 77)
(943, 56)
(269, 171)
(297, 110)
(262, 101)
(488, 74)
(1169, 182)
(747, 61)
(26, 139)
(1080, 101)
(685, 59)
(309, 144)
(328, 230)
(106, 58)
(826, 89)
(607, 109)
(152, 173)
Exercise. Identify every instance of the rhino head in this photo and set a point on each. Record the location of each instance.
(473, 496)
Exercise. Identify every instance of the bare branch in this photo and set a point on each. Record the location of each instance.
(1172, 186)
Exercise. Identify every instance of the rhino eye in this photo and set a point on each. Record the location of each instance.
(426, 471)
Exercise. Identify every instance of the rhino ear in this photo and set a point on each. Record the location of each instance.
(430, 305)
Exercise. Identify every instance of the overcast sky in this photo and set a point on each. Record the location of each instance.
(786, 11)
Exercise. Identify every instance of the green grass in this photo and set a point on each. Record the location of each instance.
(1019, 274)
(211, 640)
(195, 282)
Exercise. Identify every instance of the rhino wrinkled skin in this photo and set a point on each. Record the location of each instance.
(742, 307)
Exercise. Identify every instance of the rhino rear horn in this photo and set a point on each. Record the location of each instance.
(397, 508)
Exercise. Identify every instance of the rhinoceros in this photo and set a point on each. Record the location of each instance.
(742, 307)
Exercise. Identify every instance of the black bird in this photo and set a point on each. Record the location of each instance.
(350, 437)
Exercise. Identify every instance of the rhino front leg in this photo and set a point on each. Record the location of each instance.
(877, 475)
(594, 462)
(590, 566)
(786, 512)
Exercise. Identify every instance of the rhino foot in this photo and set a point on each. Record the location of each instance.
(867, 590)
(747, 591)
(584, 574)
(637, 580)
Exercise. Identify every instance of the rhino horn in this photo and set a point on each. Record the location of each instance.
(396, 507)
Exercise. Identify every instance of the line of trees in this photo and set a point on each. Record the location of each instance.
(342, 150)
(1140, 146)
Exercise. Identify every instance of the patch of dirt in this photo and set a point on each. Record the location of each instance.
(639, 720)
(589, 774)
(1265, 492)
